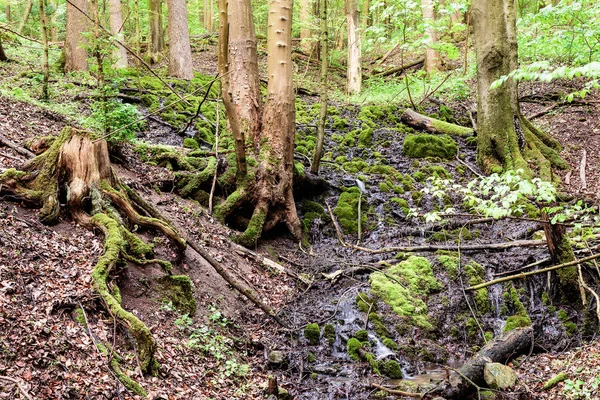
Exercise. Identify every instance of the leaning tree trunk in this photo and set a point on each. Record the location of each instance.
(240, 84)
(180, 52)
(354, 77)
(75, 50)
(156, 42)
(75, 174)
(116, 28)
(506, 140)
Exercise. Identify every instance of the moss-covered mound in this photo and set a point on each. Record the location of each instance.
(404, 287)
(421, 146)
(347, 211)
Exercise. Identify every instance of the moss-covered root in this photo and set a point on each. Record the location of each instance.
(190, 184)
(255, 227)
(115, 365)
(114, 244)
(233, 202)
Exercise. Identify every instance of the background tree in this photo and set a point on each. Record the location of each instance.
(180, 52)
(432, 58)
(314, 168)
(45, 66)
(156, 41)
(116, 26)
(208, 17)
(506, 139)
(267, 189)
(28, 7)
(305, 31)
(354, 83)
(75, 51)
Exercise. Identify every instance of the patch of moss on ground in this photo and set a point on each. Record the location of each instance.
(346, 211)
(312, 333)
(570, 326)
(512, 303)
(412, 280)
(354, 346)
(179, 289)
(421, 146)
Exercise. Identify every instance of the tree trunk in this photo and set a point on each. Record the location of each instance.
(45, 66)
(506, 140)
(364, 17)
(240, 84)
(208, 15)
(156, 42)
(267, 188)
(116, 28)
(8, 16)
(3, 56)
(354, 48)
(26, 14)
(432, 58)
(305, 31)
(180, 52)
(314, 168)
(75, 51)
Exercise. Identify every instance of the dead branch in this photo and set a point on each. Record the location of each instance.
(399, 69)
(270, 263)
(398, 392)
(21, 150)
(530, 273)
(543, 112)
(16, 382)
(582, 170)
(473, 247)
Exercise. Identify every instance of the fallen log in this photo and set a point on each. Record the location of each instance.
(432, 125)
(21, 150)
(401, 68)
(501, 350)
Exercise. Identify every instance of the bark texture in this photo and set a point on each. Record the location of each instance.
(506, 139)
(156, 41)
(354, 74)
(26, 13)
(75, 52)
(180, 52)
(45, 66)
(432, 58)
(116, 28)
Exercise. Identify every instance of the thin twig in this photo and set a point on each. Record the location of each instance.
(200, 106)
(395, 391)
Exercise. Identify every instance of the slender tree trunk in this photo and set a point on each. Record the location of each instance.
(26, 14)
(45, 66)
(138, 33)
(75, 52)
(432, 58)
(354, 48)
(305, 31)
(208, 15)
(364, 17)
(116, 28)
(156, 42)
(238, 62)
(323, 109)
(3, 56)
(8, 16)
(201, 13)
(180, 52)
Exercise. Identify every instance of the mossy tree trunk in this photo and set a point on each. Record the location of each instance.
(77, 170)
(269, 132)
(506, 139)
(156, 41)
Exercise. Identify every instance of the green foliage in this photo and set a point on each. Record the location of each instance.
(114, 116)
(578, 389)
(391, 369)
(520, 318)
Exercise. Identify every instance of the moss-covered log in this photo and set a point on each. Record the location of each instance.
(432, 125)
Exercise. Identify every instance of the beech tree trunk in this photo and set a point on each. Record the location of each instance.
(75, 51)
(156, 41)
(314, 168)
(432, 58)
(240, 84)
(506, 139)
(116, 28)
(267, 188)
(180, 52)
(354, 48)
(208, 15)
(305, 32)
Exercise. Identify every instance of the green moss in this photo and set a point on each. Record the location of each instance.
(80, 317)
(180, 290)
(459, 234)
(421, 146)
(451, 129)
(402, 203)
(365, 138)
(555, 380)
(384, 187)
(190, 143)
(339, 123)
(311, 358)
(136, 246)
(472, 328)
(346, 211)
(389, 343)
(520, 318)
(365, 303)
(488, 336)
(378, 326)
(354, 346)
(392, 369)
(355, 166)
(116, 293)
(312, 333)
(362, 335)
(570, 326)
(373, 363)
(329, 333)
(413, 280)
(298, 169)
(450, 265)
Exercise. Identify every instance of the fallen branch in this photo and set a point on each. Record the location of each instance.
(582, 170)
(398, 392)
(401, 68)
(270, 263)
(16, 382)
(530, 273)
(473, 247)
(21, 150)
(543, 112)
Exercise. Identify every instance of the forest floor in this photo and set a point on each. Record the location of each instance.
(54, 319)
